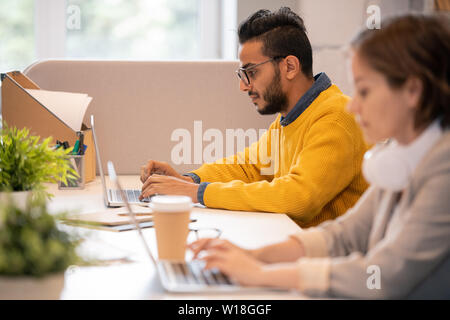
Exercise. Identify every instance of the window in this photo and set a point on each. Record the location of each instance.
(16, 34)
(31, 30)
(139, 29)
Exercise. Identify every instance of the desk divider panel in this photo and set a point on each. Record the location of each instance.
(141, 106)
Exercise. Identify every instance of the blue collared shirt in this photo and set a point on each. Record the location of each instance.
(321, 83)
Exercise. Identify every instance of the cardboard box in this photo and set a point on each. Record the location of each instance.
(22, 109)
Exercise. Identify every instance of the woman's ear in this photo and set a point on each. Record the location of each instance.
(413, 89)
(292, 67)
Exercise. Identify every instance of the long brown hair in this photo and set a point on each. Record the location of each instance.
(413, 46)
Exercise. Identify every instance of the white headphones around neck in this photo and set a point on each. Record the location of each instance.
(387, 166)
(390, 165)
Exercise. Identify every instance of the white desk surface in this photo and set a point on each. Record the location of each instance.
(128, 273)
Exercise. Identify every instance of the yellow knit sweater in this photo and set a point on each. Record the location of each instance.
(315, 161)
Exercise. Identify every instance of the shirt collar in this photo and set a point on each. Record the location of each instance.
(321, 83)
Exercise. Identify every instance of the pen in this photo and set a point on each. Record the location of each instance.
(81, 143)
(57, 145)
(76, 147)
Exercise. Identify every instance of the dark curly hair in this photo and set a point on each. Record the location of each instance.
(282, 33)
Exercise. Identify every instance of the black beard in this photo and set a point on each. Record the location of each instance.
(274, 96)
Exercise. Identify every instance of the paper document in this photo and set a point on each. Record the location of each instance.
(67, 106)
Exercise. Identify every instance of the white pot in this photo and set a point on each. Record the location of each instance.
(31, 288)
(20, 198)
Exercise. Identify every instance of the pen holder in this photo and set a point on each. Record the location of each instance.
(76, 162)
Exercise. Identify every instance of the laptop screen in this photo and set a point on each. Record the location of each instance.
(113, 176)
(99, 161)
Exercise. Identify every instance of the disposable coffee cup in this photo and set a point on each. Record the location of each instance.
(171, 217)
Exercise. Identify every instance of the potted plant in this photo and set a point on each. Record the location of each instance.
(26, 164)
(34, 251)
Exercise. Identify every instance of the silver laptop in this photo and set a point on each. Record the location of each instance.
(113, 197)
(184, 276)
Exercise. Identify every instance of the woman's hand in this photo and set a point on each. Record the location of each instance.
(235, 262)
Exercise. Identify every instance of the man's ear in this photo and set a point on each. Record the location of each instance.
(292, 67)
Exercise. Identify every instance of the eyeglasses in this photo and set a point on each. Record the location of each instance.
(244, 74)
(200, 232)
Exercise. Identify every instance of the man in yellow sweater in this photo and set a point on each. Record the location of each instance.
(307, 164)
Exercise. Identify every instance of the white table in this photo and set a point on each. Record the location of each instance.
(128, 272)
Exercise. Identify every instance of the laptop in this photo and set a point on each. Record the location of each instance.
(184, 276)
(112, 197)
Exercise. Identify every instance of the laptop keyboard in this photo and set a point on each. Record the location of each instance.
(193, 273)
(132, 195)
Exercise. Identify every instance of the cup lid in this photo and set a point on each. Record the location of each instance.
(166, 203)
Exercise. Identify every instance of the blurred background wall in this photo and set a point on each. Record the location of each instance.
(32, 30)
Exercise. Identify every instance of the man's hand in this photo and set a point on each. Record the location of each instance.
(159, 184)
(160, 168)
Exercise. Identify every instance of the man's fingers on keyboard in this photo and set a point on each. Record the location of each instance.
(151, 179)
(146, 170)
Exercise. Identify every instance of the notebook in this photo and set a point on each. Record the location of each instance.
(184, 276)
(116, 220)
(109, 221)
(113, 197)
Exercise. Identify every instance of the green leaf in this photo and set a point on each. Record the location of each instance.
(26, 163)
(31, 242)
